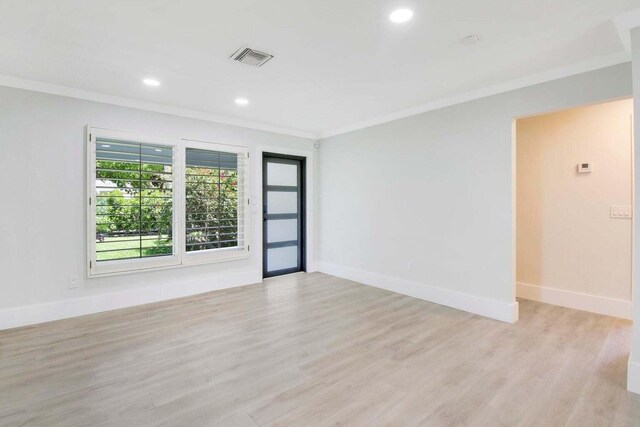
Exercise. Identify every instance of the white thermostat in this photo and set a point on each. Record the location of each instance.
(584, 167)
(621, 211)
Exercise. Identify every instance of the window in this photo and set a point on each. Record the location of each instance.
(133, 200)
(216, 202)
(137, 193)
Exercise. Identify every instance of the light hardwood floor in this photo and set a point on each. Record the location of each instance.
(311, 349)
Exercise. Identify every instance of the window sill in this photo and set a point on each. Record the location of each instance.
(188, 260)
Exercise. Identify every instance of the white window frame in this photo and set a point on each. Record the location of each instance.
(223, 254)
(180, 256)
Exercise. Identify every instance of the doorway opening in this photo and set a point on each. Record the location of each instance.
(283, 214)
(574, 208)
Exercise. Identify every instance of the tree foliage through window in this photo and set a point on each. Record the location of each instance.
(211, 200)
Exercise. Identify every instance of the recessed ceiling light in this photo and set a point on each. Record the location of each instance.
(151, 82)
(401, 15)
(242, 101)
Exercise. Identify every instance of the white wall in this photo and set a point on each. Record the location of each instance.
(633, 381)
(42, 214)
(569, 250)
(424, 205)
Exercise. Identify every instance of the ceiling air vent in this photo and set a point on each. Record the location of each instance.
(249, 56)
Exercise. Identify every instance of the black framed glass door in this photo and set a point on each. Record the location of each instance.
(283, 214)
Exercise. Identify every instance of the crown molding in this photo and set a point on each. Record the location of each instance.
(624, 24)
(555, 74)
(37, 86)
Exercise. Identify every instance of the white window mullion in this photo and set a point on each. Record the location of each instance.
(178, 202)
(246, 210)
(91, 202)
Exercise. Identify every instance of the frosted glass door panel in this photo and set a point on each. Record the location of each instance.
(282, 230)
(282, 174)
(282, 202)
(282, 258)
(283, 215)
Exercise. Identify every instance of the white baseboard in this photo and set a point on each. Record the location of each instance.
(579, 301)
(39, 313)
(499, 310)
(633, 375)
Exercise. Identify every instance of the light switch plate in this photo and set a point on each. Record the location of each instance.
(621, 211)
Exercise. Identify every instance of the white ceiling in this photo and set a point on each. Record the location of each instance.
(338, 62)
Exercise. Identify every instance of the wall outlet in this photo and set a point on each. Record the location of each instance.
(73, 282)
(409, 265)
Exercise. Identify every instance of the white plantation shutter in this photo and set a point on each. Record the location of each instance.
(158, 202)
(134, 200)
(216, 201)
